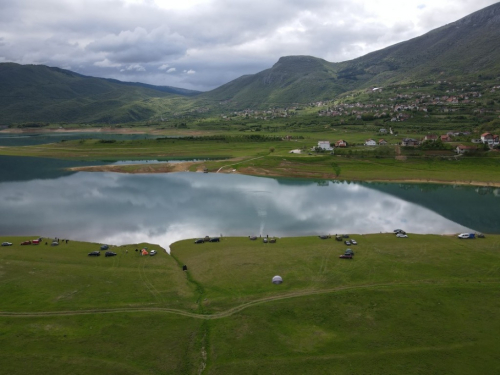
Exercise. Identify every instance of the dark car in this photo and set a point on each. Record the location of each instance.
(348, 243)
(349, 252)
(272, 240)
(252, 238)
(109, 254)
(94, 254)
(199, 240)
(104, 247)
(26, 243)
(480, 235)
(345, 256)
(338, 238)
(6, 243)
(345, 235)
(215, 239)
(397, 231)
(324, 237)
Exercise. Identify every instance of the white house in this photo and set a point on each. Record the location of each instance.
(370, 142)
(489, 139)
(325, 145)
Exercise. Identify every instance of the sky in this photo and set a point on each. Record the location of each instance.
(202, 44)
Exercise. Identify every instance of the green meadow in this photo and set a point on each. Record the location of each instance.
(268, 156)
(426, 304)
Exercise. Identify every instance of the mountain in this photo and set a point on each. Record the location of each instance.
(467, 48)
(37, 93)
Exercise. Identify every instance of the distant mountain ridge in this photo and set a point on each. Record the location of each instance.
(467, 47)
(38, 93)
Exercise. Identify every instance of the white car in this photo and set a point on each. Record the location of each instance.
(353, 242)
(401, 235)
(465, 235)
(6, 243)
(152, 252)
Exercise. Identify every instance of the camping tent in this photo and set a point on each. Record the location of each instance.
(277, 280)
(144, 252)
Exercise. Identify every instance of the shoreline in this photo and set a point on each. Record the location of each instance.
(184, 167)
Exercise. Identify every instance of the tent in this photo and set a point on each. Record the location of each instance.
(277, 280)
(144, 252)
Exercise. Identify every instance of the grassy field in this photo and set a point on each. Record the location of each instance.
(426, 304)
(274, 159)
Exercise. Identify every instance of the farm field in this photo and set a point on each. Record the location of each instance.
(426, 304)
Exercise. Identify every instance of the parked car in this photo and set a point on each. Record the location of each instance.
(35, 242)
(324, 237)
(338, 238)
(480, 235)
(345, 235)
(253, 238)
(349, 252)
(199, 240)
(398, 230)
(345, 256)
(264, 240)
(348, 243)
(401, 235)
(94, 254)
(104, 247)
(272, 240)
(466, 235)
(55, 243)
(26, 243)
(6, 243)
(353, 242)
(215, 239)
(153, 252)
(109, 254)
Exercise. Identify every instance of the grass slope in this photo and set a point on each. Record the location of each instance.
(421, 305)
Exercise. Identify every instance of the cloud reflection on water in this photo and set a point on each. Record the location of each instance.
(118, 208)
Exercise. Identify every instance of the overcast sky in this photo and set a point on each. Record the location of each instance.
(202, 44)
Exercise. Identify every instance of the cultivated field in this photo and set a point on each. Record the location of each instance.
(420, 305)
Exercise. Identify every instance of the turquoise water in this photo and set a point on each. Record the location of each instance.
(42, 199)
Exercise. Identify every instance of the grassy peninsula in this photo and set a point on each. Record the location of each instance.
(423, 304)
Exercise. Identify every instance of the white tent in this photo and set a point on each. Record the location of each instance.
(277, 280)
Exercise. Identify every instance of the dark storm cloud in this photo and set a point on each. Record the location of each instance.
(202, 44)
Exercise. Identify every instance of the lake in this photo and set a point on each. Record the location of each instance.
(163, 208)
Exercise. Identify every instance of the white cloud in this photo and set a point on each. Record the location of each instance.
(107, 64)
(218, 39)
(190, 71)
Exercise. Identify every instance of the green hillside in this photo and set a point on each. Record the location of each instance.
(467, 48)
(37, 93)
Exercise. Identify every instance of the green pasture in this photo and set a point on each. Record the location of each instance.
(426, 304)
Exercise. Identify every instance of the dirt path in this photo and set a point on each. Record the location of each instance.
(233, 310)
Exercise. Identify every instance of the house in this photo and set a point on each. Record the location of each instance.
(383, 131)
(325, 145)
(296, 151)
(409, 142)
(370, 142)
(341, 143)
(490, 139)
(487, 138)
(461, 149)
(430, 137)
(382, 142)
(445, 138)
